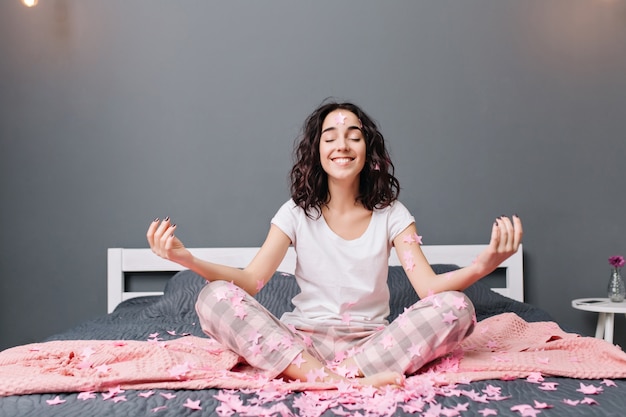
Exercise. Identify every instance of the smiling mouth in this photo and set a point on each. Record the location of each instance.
(342, 160)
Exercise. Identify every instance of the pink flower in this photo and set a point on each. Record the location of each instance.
(617, 261)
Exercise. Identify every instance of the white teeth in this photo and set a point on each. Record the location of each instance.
(342, 160)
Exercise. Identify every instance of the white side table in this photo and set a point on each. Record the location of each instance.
(606, 309)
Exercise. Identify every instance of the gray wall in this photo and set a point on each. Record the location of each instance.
(113, 112)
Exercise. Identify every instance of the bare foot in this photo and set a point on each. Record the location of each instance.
(382, 379)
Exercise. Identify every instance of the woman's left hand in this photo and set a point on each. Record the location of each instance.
(506, 236)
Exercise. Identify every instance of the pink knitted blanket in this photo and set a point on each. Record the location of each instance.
(503, 346)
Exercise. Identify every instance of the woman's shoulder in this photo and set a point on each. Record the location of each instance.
(290, 208)
(395, 207)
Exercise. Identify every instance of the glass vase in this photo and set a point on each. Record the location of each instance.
(617, 290)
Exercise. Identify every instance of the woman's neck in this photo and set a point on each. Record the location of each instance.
(342, 197)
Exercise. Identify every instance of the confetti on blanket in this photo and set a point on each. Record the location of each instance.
(501, 347)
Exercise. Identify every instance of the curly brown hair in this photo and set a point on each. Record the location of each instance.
(309, 183)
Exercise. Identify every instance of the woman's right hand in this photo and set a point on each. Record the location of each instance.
(165, 244)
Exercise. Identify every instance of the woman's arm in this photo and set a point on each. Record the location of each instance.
(506, 236)
(165, 244)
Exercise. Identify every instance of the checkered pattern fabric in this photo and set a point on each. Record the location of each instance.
(427, 330)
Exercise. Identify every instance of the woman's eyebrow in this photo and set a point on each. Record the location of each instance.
(331, 128)
(354, 128)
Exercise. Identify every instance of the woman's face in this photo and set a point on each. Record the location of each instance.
(342, 146)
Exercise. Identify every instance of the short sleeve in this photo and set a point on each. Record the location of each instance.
(286, 219)
(399, 219)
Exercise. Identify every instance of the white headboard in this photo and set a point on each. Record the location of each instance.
(122, 260)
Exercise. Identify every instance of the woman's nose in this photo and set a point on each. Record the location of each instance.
(342, 143)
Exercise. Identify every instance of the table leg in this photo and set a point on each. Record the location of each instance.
(608, 327)
(600, 326)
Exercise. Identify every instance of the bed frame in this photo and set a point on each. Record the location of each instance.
(122, 261)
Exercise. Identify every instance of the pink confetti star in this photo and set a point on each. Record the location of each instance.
(255, 350)
(436, 302)
(412, 238)
(408, 239)
(119, 399)
(449, 317)
(55, 401)
(178, 371)
(460, 303)
(87, 352)
(254, 337)
(160, 408)
(488, 412)
(221, 294)
(146, 394)
(340, 355)
(306, 339)
(315, 374)
(86, 395)
(609, 383)
(571, 402)
(588, 401)
(192, 405)
(492, 391)
(409, 261)
(387, 341)
(85, 364)
(492, 345)
(541, 406)
(272, 345)
(525, 410)
(240, 312)
(340, 119)
(589, 389)
(260, 284)
(535, 377)
(500, 358)
(344, 387)
(103, 369)
(548, 386)
(287, 341)
(415, 350)
(298, 361)
(167, 395)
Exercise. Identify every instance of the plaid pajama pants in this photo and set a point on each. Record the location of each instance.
(427, 330)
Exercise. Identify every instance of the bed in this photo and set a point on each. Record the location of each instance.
(495, 381)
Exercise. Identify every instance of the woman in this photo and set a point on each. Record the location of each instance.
(343, 218)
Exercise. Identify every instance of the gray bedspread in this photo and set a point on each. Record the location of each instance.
(173, 314)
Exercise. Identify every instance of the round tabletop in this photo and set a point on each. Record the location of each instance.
(599, 305)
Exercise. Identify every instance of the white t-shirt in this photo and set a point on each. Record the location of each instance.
(341, 281)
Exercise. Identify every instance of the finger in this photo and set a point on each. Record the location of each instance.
(495, 236)
(507, 238)
(150, 233)
(519, 230)
(167, 233)
(170, 241)
(161, 229)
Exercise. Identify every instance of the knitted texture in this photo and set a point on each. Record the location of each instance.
(506, 346)
(503, 346)
(88, 365)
